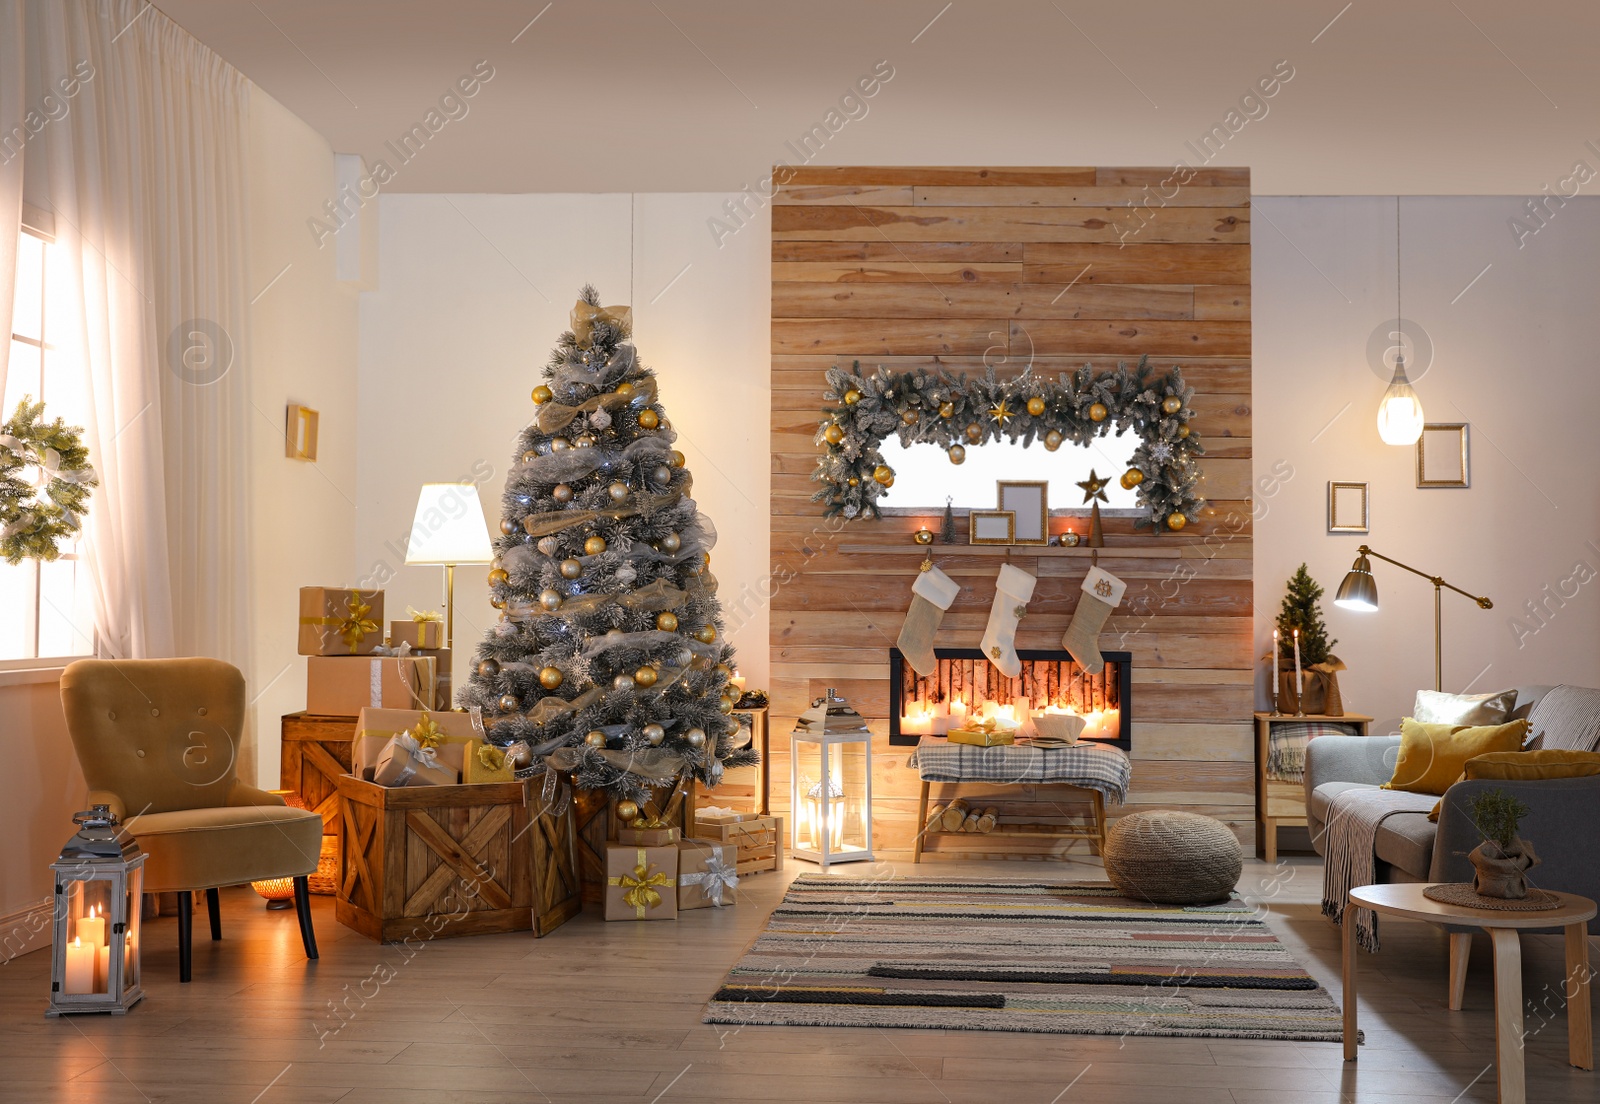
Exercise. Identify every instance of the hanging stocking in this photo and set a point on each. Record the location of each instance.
(931, 595)
(1012, 589)
(1102, 593)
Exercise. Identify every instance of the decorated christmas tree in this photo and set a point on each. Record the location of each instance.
(1302, 611)
(608, 661)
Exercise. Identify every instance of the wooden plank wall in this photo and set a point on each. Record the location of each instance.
(956, 266)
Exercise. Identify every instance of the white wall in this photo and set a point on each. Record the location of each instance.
(303, 350)
(1514, 356)
(473, 292)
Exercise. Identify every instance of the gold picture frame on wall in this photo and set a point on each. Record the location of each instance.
(1348, 507)
(990, 527)
(300, 432)
(1444, 456)
(1028, 502)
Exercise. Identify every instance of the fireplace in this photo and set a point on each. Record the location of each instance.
(966, 684)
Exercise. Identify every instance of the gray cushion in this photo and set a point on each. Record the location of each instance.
(1567, 718)
(1405, 840)
(1323, 796)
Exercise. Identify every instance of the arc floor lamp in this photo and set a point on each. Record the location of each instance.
(1360, 592)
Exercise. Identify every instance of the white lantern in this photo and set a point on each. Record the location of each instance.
(95, 959)
(830, 791)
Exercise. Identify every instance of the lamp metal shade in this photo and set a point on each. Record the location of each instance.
(1359, 591)
(1400, 417)
(449, 526)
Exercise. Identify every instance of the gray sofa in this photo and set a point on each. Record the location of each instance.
(1563, 822)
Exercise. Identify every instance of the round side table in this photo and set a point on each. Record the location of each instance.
(1572, 914)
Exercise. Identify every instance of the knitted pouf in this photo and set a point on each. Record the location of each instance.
(1173, 858)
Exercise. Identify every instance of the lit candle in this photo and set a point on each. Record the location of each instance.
(80, 967)
(92, 928)
(738, 681)
(958, 709)
(102, 977)
(1299, 685)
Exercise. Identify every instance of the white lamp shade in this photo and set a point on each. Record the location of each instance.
(449, 526)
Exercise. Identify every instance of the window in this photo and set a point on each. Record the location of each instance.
(45, 608)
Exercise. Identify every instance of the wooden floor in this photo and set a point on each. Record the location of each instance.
(601, 1012)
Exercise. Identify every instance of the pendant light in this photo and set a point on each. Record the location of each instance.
(1400, 412)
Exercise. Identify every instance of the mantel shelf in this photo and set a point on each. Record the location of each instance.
(1141, 551)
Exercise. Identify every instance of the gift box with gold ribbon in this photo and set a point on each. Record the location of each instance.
(484, 762)
(707, 874)
(423, 629)
(340, 621)
(436, 740)
(641, 882)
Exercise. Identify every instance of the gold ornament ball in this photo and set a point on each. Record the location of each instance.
(560, 444)
(627, 812)
(488, 668)
(550, 677)
(498, 576)
(923, 536)
(947, 410)
(508, 703)
(595, 739)
(622, 683)
(1183, 431)
(562, 493)
(594, 546)
(1176, 522)
(1098, 412)
(542, 395)
(671, 543)
(586, 441)
(854, 481)
(974, 432)
(909, 418)
(550, 600)
(851, 397)
(695, 738)
(1171, 404)
(649, 419)
(645, 677)
(1132, 478)
(887, 483)
(726, 705)
(667, 622)
(883, 473)
(624, 388)
(706, 634)
(519, 757)
(833, 434)
(1053, 439)
(661, 475)
(497, 602)
(571, 569)
(618, 491)
(529, 456)
(1036, 406)
(723, 671)
(654, 734)
(958, 454)
(507, 526)
(678, 459)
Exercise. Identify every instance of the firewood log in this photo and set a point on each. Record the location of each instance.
(955, 815)
(988, 819)
(935, 819)
(971, 823)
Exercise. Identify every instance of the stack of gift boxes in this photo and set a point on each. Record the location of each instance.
(653, 874)
(352, 665)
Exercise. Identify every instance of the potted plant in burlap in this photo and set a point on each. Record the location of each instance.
(1501, 862)
(1318, 664)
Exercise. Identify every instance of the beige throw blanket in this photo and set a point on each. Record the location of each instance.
(1350, 860)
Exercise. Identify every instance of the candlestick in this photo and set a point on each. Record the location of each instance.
(1272, 673)
(80, 967)
(1299, 683)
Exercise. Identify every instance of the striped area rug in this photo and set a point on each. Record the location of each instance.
(1068, 958)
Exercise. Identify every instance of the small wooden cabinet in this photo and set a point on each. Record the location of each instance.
(1285, 802)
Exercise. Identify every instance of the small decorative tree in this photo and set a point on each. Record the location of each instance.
(1496, 815)
(1302, 611)
(1501, 862)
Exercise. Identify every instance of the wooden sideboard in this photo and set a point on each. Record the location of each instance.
(1280, 803)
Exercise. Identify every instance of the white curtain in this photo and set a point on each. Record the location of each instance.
(12, 97)
(145, 173)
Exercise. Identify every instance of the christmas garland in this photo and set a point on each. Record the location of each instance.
(41, 511)
(955, 412)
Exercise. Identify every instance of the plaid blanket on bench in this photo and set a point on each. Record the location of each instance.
(1089, 765)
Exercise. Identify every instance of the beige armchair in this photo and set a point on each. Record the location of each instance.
(158, 740)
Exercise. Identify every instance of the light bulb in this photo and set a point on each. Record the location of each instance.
(1400, 412)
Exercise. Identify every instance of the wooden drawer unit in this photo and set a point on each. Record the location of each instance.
(1282, 802)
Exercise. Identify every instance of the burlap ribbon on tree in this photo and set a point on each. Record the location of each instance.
(554, 416)
(585, 316)
(1322, 697)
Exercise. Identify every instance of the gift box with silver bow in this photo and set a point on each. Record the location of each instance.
(707, 874)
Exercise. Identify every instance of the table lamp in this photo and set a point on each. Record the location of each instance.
(448, 530)
(1360, 592)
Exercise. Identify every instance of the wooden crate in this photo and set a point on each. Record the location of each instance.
(430, 862)
(595, 823)
(758, 842)
(315, 754)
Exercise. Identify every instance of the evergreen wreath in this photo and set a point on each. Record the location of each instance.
(956, 411)
(41, 509)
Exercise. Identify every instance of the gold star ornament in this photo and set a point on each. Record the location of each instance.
(1094, 487)
(1001, 413)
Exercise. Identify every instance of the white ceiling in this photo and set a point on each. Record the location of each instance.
(1432, 96)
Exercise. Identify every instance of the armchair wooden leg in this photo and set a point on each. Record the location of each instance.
(185, 933)
(214, 911)
(302, 908)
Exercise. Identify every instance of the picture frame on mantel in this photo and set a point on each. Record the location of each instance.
(1028, 501)
(1348, 507)
(990, 527)
(1444, 455)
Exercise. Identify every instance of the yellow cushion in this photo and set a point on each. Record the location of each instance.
(1528, 765)
(1433, 756)
(201, 848)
